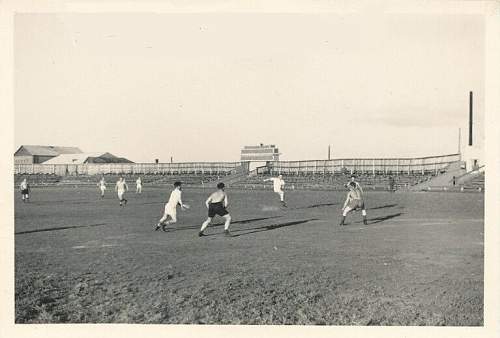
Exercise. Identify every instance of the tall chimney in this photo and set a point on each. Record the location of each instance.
(470, 118)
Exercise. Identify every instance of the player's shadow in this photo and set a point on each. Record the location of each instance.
(383, 206)
(243, 221)
(65, 202)
(59, 228)
(269, 227)
(383, 218)
(317, 205)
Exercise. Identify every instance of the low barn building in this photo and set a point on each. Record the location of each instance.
(29, 154)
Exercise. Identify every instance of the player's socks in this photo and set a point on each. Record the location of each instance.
(164, 227)
(365, 222)
(201, 234)
(227, 233)
(342, 221)
(158, 226)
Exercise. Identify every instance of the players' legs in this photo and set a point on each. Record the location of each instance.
(363, 212)
(282, 197)
(344, 214)
(162, 220)
(227, 222)
(27, 197)
(173, 219)
(204, 225)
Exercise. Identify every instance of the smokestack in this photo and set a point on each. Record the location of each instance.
(328, 152)
(470, 118)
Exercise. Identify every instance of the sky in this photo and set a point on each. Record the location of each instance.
(198, 87)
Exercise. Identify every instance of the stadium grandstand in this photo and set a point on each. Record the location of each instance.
(461, 171)
(425, 173)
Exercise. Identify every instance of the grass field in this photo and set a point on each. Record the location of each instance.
(419, 261)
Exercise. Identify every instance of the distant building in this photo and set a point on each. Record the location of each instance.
(28, 154)
(84, 158)
(260, 153)
(258, 156)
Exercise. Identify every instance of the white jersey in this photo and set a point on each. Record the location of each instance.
(102, 184)
(278, 184)
(121, 186)
(23, 185)
(175, 198)
(138, 182)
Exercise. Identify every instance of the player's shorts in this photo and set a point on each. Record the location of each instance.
(120, 194)
(103, 188)
(278, 191)
(24, 192)
(356, 204)
(216, 209)
(171, 211)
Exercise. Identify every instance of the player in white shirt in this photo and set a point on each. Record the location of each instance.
(121, 187)
(171, 207)
(102, 186)
(138, 185)
(25, 190)
(278, 186)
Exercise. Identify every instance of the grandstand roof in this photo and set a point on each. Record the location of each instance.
(45, 150)
(96, 157)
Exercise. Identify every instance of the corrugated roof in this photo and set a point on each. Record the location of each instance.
(75, 158)
(47, 150)
(67, 150)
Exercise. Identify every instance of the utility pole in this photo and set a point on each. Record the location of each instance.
(329, 149)
(460, 141)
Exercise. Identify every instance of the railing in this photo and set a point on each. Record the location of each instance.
(394, 166)
(190, 168)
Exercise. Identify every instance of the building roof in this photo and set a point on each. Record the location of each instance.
(96, 157)
(45, 150)
(78, 158)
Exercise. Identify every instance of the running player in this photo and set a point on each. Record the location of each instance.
(25, 190)
(278, 186)
(121, 187)
(138, 185)
(217, 204)
(171, 207)
(354, 201)
(102, 186)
